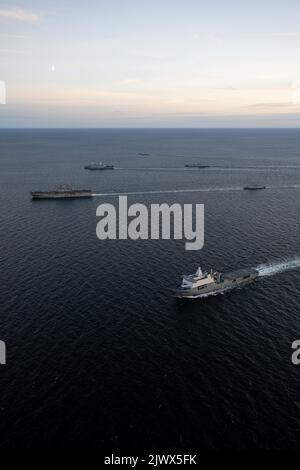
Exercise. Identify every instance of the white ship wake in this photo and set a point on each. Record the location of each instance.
(269, 269)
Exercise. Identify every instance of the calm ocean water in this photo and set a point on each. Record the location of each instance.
(99, 353)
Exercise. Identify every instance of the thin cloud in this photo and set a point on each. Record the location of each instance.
(185, 114)
(10, 51)
(19, 15)
(291, 34)
(12, 36)
(128, 81)
(286, 35)
(279, 104)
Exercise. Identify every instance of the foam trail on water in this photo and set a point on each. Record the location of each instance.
(168, 191)
(196, 190)
(270, 269)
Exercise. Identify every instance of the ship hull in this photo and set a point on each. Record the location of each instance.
(258, 188)
(229, 281)
(197, 166)
(57, 195)
(99, 168)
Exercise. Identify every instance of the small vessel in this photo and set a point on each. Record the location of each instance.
(62, 192)
(202, 284)
(143, 154)
(99, 166)
(254, 187)
(197, 165)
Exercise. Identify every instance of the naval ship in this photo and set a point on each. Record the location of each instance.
(197, 165)
(202, 284)
(62, 192)
(99, 166)
(254, 187)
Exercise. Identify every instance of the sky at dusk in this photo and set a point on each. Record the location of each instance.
(129, 63)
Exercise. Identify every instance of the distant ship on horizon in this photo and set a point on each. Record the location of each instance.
(99, 166)
(197, 165)
(62, 192)
(254, 187)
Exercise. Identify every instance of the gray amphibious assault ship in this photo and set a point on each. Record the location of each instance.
(62, 192)
(203, 284)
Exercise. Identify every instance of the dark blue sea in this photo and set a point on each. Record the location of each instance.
(99, 352)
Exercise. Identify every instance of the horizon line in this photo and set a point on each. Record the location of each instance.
(150, 128)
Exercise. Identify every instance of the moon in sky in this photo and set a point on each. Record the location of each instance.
(53, 68)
